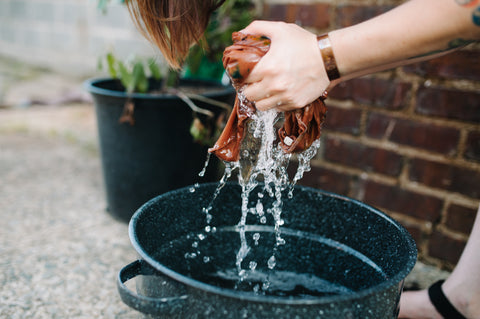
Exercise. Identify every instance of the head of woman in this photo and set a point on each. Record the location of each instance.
(172, 25)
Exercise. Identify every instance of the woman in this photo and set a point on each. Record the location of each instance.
(299, 67)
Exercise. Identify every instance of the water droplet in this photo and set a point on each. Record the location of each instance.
(271, 262)
(202, 173)
(206, 259)
(265, 285)
(259, 208)
(252, 265)
(256, 237)
(190, 255)
(256, 288)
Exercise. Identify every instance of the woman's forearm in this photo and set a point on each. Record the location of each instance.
(417, 30)
(292, 73)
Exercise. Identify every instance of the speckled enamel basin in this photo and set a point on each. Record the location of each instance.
(341, 258)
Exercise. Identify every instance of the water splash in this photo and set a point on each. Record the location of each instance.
(262, 160)
(202, 172)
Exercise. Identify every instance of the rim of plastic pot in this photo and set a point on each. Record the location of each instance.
(248, 296)
(93, 86)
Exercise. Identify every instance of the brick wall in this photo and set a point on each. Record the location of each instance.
(67, 35)
(406, 140)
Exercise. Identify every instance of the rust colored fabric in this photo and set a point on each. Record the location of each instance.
(301, 127)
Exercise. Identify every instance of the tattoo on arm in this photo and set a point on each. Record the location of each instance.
(452, 45)
(458, 43)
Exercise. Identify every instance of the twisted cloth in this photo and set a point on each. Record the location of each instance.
(301, 126)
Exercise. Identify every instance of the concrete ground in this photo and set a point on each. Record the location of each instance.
(60, 250)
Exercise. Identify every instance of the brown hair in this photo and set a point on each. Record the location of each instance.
(172, 25)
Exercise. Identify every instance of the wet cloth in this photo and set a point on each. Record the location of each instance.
(301, 126)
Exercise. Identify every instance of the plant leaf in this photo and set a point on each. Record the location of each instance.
(125, 77)
(139, 79)
(111, 65)
(154, 69)
(102, 5)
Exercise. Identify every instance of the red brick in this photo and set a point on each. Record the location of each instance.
(342, 91)
(275, 12)
(312, 15)
(374, 91)
(460, 218)
(352, 14)
(472, 147)
(377, 125)
(343, 120)
(448, 103)
(416, 231)
(445, 247)
(399, 200)
(448, 177)
(326, 179)
(307, 15)
(370, 159)
(461, 64)
(431, 137)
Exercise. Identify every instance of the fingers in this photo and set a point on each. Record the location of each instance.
(255, 92)
(266, 95)
(273, 102)
(286, 77)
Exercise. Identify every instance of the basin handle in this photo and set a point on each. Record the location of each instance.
(144, 304)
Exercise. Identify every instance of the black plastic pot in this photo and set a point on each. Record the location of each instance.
(157, 153)
(354, 258)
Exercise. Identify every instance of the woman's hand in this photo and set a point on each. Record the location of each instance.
(292, 73)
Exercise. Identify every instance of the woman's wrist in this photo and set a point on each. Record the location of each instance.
(329, 62)
(328, 57)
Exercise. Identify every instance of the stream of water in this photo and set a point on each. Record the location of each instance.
(261, 160)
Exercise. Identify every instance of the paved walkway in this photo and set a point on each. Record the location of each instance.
(60, 251)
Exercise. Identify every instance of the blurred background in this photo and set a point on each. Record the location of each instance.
(405, 140)
(67, 36)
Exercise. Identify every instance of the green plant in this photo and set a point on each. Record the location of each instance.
(102, 4)
(136, 74)
(203, 62)
(132, 73)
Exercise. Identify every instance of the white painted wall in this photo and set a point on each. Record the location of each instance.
(67, 35)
